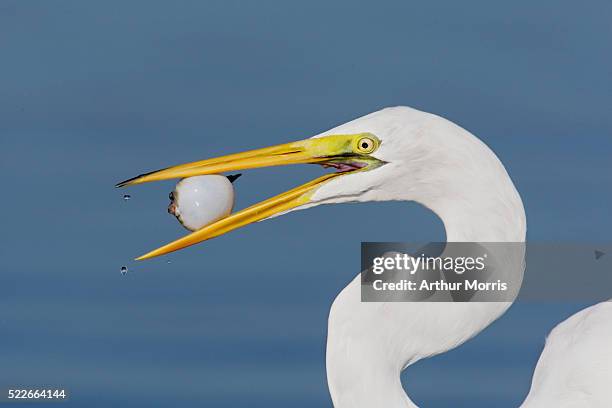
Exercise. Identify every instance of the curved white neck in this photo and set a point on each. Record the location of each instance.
(482, 206)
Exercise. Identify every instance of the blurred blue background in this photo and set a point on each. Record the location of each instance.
(93, 93)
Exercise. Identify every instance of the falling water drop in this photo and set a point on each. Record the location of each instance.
(124, 270)
(126, 197)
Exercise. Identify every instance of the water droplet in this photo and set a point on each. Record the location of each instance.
(126, 197)
(124, 270)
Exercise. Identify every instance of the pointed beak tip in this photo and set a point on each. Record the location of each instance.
(142, 257)
(129, 182)
(125, 182)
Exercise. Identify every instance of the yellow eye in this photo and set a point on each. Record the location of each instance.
(366, 145)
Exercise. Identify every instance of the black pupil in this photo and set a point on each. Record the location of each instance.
(364, 145)
(171, 196)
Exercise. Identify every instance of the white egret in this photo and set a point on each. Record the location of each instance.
(393, 154)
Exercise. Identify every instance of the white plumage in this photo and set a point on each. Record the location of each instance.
(575, 368)
(445, 168)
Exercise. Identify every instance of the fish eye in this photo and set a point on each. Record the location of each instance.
(366, 145)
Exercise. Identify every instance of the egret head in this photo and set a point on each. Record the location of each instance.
(377, 157)
(403, 148)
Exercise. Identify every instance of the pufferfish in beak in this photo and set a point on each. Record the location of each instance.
(201, 200)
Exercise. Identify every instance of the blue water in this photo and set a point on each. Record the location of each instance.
(92, 94)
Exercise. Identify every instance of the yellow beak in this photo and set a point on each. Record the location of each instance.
(334, 150)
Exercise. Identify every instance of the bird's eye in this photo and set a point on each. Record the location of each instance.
(171, 196)
(366, 145)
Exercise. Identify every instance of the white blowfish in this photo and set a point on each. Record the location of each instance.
(201, 200)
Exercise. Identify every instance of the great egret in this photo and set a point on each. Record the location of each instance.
(394, 154)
